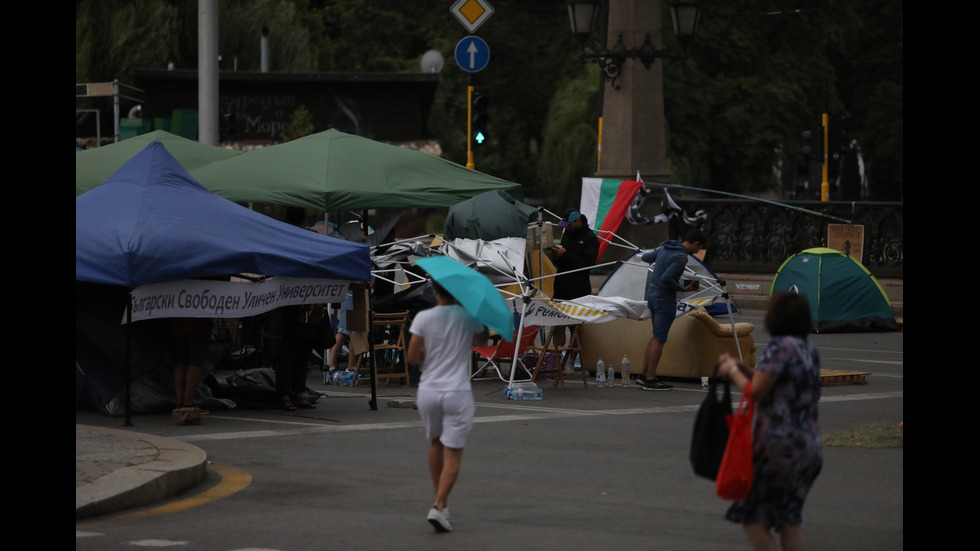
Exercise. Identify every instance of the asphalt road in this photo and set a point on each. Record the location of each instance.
(596, 468)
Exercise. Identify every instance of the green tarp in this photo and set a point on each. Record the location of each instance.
(333, 171)
(94, 166)
(488, 216)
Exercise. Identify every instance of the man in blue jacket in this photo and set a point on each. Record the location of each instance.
(669, 262)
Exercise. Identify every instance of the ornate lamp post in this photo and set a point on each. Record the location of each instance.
(582, 15)
(633, 136)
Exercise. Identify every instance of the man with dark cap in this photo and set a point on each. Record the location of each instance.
(578, 250)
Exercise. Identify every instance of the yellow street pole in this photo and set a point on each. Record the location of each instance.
(469, 128)
(825, 183)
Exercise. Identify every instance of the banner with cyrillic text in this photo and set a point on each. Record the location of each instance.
(553, 312)
(592, 309)
(192, 298)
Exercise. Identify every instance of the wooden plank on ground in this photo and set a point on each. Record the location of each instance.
(834, 377)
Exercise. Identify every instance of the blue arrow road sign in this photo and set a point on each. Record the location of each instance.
(472, 54)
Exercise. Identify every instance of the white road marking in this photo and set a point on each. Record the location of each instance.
(526, 413)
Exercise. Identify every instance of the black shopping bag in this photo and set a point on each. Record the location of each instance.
(711, 430)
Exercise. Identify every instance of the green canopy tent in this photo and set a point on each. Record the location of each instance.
(489, 216)
(843, 295)
(94, 166)
(332, 171)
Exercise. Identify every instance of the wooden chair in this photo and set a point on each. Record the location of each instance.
(568, 353)
(505, 351)
(389, 347)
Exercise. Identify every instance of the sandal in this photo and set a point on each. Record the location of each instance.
(304, 403)
(287, 404)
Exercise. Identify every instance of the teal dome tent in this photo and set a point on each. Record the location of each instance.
(843, 295)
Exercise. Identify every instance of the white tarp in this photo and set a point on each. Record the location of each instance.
(501, 260)
(623, 294)
(629, 282)
(587, 309)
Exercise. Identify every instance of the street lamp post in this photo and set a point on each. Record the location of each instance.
(582, 15)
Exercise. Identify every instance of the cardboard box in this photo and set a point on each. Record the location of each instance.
(547, 239)
(848, 239)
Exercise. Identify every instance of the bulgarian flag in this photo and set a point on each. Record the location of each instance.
(605, 204)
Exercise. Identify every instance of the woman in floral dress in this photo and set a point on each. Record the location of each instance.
(786, 445)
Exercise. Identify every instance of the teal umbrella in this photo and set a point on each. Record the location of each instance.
(473, 291)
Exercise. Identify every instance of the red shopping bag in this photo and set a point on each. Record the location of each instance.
(735, 474)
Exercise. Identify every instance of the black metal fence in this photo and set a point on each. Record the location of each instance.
(756, 237)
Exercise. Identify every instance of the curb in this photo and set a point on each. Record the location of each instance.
(158, 469)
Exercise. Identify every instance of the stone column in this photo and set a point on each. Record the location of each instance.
(634, 136)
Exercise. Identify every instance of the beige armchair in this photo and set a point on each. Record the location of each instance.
(693, 345)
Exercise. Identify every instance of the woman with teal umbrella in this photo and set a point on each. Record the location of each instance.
(441, 340)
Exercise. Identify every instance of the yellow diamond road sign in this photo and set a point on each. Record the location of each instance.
(471, 13)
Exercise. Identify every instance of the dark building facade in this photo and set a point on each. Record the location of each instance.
(257, 107)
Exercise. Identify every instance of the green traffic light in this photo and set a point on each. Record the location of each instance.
(479, 137)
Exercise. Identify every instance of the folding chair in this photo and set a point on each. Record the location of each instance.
(567, 353)
(388, 352)
(505, 351)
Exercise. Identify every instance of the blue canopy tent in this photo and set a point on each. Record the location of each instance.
(151, 222)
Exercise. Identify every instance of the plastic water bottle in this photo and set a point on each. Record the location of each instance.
(600, 373)
(524, 391)
(625, 370)
(611, 376)
(527, 394)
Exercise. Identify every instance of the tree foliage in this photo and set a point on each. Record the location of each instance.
(302, 125)
(115, 37)
(758, 73)
(762, 72)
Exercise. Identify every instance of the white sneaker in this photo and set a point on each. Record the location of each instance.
(440, 519)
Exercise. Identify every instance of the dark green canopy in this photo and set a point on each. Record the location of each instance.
(488, 216)
(333, 171)
(94, 166)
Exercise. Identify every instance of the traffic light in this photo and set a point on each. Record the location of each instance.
(480, 118)
(813, 144)
(837, 139)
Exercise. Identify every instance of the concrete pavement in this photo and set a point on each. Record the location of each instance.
(120, 468)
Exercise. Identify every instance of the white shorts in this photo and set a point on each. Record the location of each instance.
(447, 415)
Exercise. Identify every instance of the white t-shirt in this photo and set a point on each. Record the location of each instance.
(448, 336)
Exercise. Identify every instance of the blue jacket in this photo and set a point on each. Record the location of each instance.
(671, 259)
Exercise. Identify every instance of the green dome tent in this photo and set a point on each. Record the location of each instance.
(844, 296)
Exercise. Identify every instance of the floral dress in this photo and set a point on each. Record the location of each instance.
(786, 445)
